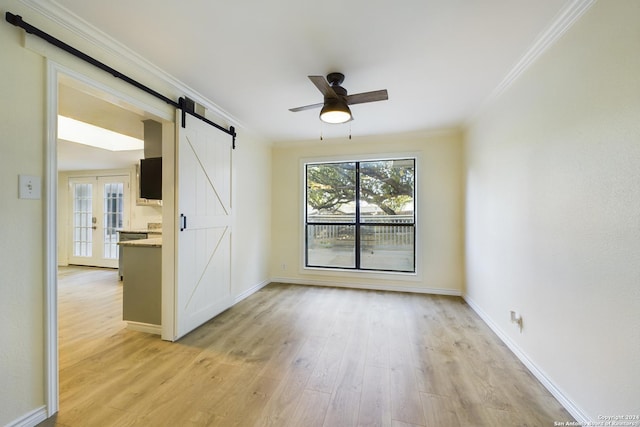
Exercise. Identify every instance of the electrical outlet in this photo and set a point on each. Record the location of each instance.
(29, 187)
(283, 266)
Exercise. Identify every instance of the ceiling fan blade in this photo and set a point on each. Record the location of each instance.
(323, 86)
(306, 107)
(360, 98)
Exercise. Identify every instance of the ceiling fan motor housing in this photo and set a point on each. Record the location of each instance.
(335, 79)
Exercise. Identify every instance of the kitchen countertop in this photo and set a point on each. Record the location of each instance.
(154, 242)
(141, 230)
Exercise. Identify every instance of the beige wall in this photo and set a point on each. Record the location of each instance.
(21, 226)
(553, 212)
(439, 210)
(23, 98)
(251, 239)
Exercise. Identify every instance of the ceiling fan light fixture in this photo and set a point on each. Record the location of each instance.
(335, 112)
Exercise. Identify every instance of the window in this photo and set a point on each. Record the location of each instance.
(360, 215)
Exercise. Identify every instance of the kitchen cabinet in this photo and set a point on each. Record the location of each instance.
(128, 235)
(142, 283)
(125, 236)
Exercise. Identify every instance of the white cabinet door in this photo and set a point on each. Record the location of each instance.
(98, 208)
(203, 268)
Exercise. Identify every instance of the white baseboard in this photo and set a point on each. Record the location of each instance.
(567, 403)
(251, 291)
(30, 419)
(366, 286)
(145, 327)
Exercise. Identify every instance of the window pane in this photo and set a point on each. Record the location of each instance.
(331, 192)
(386, 191)
(387, 247)
(331, 246)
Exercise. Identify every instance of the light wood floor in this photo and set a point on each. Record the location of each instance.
(292, 356)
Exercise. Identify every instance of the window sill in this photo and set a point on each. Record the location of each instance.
(364, 274)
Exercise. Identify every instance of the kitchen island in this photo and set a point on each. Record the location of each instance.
(142, 284)
(154, 229)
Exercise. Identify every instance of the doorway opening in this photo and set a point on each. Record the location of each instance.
(92, 194)
(96, 183)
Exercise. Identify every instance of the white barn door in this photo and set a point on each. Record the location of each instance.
(203, 268)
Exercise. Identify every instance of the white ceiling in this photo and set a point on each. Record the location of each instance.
(89, 106)
(440, 60)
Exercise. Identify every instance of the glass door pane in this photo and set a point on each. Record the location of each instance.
(82, 219)
(113, 215)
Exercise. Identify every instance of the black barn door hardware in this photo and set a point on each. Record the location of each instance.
(183, 222)
(187, 105)
(30, 29)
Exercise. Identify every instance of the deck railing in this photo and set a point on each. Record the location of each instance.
(375, 231)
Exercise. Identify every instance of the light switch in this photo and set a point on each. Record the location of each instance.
(29, 187)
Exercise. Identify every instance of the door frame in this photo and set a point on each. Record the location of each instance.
(54, 73)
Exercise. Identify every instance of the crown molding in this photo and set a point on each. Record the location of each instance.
(71, 22)
(561, 23)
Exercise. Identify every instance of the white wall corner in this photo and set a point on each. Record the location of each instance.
(252, 290)
(565, 401)
(561, 23)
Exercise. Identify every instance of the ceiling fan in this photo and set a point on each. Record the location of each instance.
(335, 108)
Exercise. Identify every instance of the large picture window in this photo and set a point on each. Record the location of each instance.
(360, 215)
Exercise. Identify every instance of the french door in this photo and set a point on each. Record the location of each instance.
(99, 206)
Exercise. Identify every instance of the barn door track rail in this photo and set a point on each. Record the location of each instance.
(185, 104)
